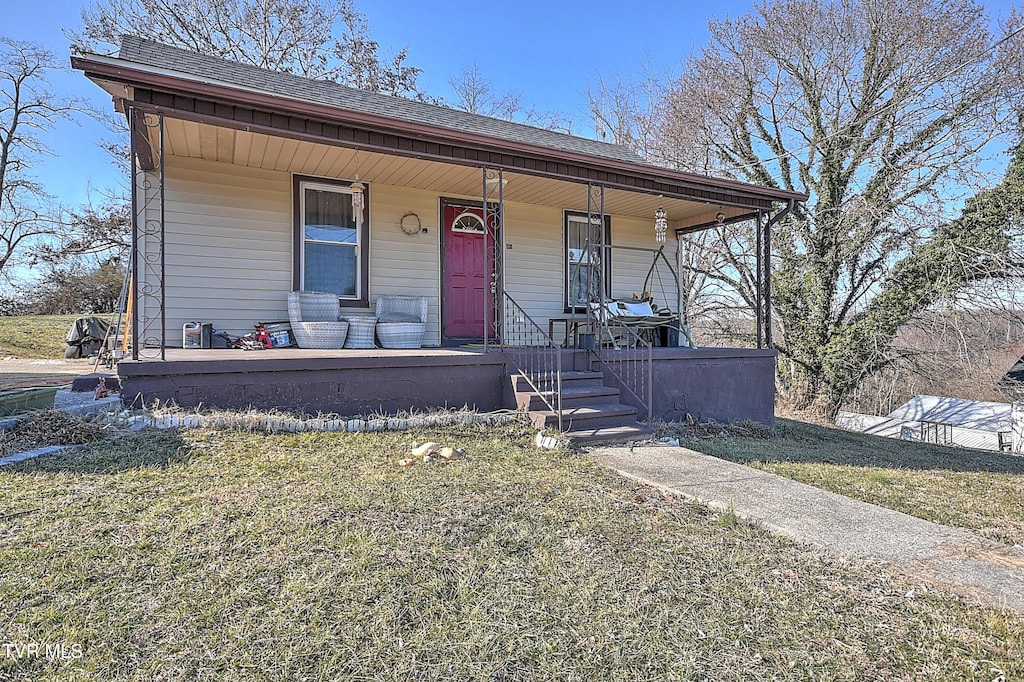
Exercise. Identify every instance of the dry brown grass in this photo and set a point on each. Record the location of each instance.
(211, 555)
(49, 427)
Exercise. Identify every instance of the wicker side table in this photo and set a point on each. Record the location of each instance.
(322, 335)
(360, 331)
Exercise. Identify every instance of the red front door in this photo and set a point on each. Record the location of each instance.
(465, 273)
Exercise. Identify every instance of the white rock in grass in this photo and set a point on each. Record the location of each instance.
(450, 454)
(426, 450)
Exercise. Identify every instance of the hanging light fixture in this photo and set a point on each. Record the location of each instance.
(357, 188)
(720, 218)
(357, 196)
(660, 223)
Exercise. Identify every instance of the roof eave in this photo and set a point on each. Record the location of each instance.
(134, 74)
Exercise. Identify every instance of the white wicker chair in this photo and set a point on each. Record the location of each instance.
(401, 321)
(314, 317)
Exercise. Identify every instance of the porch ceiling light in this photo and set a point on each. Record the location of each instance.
(720, 219)
(660, 223)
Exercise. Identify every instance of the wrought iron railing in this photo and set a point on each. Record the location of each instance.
(628, 358)
(534, 354)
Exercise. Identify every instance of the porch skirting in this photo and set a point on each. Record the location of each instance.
(723, 384)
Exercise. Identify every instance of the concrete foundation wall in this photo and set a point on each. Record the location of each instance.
(346, 386)
(722, 384)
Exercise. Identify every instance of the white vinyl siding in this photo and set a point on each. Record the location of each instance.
(534, 266)
(407, 265)
(228, 245)
(229, 232)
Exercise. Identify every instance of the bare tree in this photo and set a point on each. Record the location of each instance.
(476, 94)
(948, 350)
(880, 110)
(99, 227)
(322, 39)
(29, 217)
(632, 113)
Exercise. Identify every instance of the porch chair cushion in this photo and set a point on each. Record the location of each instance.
(314, 319)
(401, 321)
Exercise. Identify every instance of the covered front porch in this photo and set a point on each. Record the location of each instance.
(250, 184)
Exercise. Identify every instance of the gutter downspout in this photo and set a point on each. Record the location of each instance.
(790, 205)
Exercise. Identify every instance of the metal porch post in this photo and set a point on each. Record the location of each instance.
(134, 267)
(595, 254)
(493, 187)
(767, 295)
(758, 280)
(149, 321)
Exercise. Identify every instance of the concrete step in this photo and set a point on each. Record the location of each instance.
(569, 380)
(586, 417)
(573, 396)
(88, 382)
(610, 434)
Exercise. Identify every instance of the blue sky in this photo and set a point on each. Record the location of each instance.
(545, 50)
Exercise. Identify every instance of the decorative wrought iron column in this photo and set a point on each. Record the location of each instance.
(595, 252)
(494, 221)
(148, 320)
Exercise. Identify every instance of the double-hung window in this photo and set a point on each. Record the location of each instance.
(584, 259)
(330, 240)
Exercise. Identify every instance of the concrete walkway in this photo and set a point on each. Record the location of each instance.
(956, 559)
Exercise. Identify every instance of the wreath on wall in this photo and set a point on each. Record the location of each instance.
(411, 224)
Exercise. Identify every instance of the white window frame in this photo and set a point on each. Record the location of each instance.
(569, 217)
(357, 244)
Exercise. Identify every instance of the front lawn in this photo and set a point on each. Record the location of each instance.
(975, 489)
(211, 555)
(35, 336)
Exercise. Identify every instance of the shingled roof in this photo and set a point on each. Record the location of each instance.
(1012, 383)
(204, 68)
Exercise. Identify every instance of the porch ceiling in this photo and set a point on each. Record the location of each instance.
(258, 150)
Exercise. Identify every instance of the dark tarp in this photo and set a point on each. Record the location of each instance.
(85, 336)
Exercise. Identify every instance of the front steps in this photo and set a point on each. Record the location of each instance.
(591, 411)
